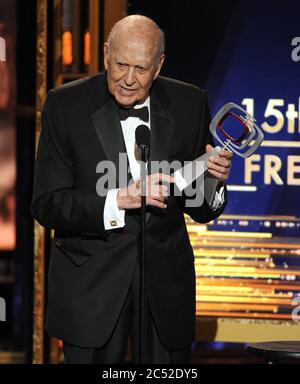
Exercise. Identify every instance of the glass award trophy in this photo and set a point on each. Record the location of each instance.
(235, 130)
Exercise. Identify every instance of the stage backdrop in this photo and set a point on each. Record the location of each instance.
(257, 66)
(252, 268)
(247, 262)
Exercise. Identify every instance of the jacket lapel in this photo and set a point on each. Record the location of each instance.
(161, 133)
(108, 129)
(162, 128)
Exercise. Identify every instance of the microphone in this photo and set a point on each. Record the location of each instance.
(142, 139)
(142, 136)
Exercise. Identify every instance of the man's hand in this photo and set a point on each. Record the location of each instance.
(219, 166)
(156, 195)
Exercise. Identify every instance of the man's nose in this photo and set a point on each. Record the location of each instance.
(129, 77)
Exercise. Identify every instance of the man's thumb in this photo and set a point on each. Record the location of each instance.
(209, 148)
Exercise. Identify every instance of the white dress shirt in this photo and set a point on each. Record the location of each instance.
(113, 216)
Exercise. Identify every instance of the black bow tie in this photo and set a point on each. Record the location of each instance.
(142, 113)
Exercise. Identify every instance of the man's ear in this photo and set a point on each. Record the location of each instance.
(105, 55)
(160, 64)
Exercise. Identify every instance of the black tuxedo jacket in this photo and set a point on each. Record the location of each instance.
(90, 268)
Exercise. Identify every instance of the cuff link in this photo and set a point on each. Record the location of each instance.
(113, 223)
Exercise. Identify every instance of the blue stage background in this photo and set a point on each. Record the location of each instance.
(236, 50)
(254, 61)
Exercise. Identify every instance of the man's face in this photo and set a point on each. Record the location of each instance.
(131, 66)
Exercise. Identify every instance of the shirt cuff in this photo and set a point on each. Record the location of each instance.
(219, 199)
(113, 217)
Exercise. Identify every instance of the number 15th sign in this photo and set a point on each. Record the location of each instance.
(2, 49)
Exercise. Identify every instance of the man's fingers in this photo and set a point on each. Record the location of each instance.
(225, 153)
(161, 177)
(161, 199)
(162, 190)
(209, 148)
(157, 193)
(219, 161)
(168, 178)
(157, 190)
(156, 202)
(218, 168)
(220, 176)
(154, 188)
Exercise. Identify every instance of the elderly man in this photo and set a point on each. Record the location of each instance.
(93, 283)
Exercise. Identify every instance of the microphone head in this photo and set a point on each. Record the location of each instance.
(142, 136)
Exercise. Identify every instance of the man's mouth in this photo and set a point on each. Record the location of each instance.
(126, 91)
